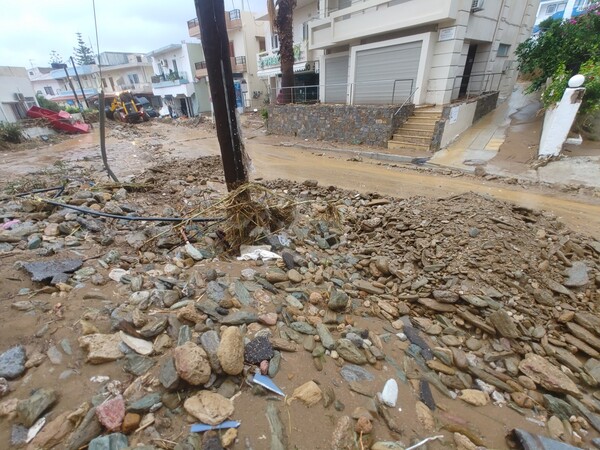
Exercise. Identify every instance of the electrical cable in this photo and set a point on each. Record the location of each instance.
(60, 190)
(138, 218)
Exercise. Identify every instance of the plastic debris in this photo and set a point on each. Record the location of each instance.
(389, 395)
(117, 274)
(267, 383)
(249, 252)
(202, 427)
(35, 429)
(99, 379)
(11, 223)
(425, 441)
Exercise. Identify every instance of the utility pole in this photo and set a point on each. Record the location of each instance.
(64, 66)
(215, 43)
(80, 86)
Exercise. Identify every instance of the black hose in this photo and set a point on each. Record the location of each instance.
(117, 216)
(60, 190)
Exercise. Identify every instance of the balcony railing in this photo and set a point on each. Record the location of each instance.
(201, 69)
(170, 79)
(194, 28)
(267, 60)
(233, 19)
(238, 64)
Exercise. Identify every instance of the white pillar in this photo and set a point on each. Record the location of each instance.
(569, 9)
(559, 119)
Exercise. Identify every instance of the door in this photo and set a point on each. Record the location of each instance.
(464, 83)
(386, 75)
(112, 83)
(336, 79)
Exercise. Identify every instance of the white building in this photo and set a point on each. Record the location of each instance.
(43, 82)
(126, 72)
(560, 9)
(306, 59)
(16, 93)
(173, 80)
(246, 38)
(384, 51)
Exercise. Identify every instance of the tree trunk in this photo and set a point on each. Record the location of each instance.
(284, 25)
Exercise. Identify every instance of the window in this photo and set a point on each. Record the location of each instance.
(138, 58)
(274, 41)
(104, 82)
(31, 72)
(49, 90)
(305, 31)
(551, 9)
(476, 5)
(133, 78)
(235, 14)
(503, 50)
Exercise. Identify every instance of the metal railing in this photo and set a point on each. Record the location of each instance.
(192, 23)
(476, 84)
(345, 93)
(239, 60)
(200, 65)
(406, 101)
(235, 14)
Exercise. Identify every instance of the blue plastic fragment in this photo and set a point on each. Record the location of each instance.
(202, 427)
(267, 383)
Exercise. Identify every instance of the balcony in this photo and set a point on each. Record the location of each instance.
(135, 87)
(365, 18)
(269, 60)
(194, 28)
(201, 69)
(238, 64)
(233, 19)
(168, 80)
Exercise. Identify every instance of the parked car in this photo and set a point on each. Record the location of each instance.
(148, 108)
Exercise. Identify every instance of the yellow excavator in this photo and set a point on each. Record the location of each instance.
(125, 108)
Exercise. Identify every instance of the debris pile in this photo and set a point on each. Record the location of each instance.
(382, 323)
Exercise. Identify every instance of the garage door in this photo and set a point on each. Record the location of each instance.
(336, 79)
(377, 68)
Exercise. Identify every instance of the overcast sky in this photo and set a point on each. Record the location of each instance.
(30, 29)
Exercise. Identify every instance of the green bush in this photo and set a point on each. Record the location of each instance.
(47, 104)
(264, 113)
(72, 109)
(10, 132)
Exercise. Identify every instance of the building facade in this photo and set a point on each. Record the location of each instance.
(174, 81)
(560, 9)
(16, 93)
(246, 38)
(389, 51)
(126, 72)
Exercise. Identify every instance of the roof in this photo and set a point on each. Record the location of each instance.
(164, 49)
(81, 70)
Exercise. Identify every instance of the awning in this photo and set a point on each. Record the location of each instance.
(298, 67)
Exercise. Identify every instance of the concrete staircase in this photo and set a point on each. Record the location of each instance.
(417, 132)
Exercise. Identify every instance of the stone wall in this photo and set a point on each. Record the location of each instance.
(369, 125)
(485, 103)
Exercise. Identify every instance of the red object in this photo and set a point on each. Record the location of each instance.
(61, 121)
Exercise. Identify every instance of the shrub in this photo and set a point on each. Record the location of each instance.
(47, 104)
(72, 109)
(10, 132)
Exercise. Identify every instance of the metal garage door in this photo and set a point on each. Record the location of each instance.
(336, 79)
(376, 69)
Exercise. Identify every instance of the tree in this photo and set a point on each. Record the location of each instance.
(83, 55)
(55, 58)
(281, 17)
(562, 49)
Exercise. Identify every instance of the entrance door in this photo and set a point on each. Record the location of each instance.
(464, 83)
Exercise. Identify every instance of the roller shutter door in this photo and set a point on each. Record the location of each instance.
(377, 68)
(336, 79)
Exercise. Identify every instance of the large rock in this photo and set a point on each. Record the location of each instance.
(87, 430)
(12, 362)
(258, 349)
(101, 348)
(474, 397)
(168, 375)
(210, 343)
(209, 407)
(231, 351)
(111, 413)
(309, 393)
(338, 301)
(542, 372)
(504, 324)
(138, 345)
(349, 352)
(53, 432)
(115, 441)
(29, 410)
(55, 271)
(343, 434)
(326, 338)
(577, 275)
(192, 363)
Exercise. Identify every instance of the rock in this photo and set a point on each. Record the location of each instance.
(294, 276)
(325, 336)
(555, 427)
(240, 318)
(352, 372)
(577, 275)
(276, 276)
(278, 440)
(209, 407)
(542, 372)
(231, 351)
(144, 404)
(210, 343)
(168, 375)
(389, 395)
(87, 430)
(463, 442)
(268, 319)
(115, 441)
(12, 362)
(101, 348)
(504, 324)
(434, 305)
(425, 417)
(111, 413)
(138, 345)
(283, 344)
(343, 435)
(367, 287)
(259, 349)
(29, 410)
(474, 397)
(53, 432)
(137, 365)
(444, 296)
(131, 421)
(55, 271)
(544, 297)
(349, 352)
(582, 333)
(337, 302)
(229, 437)
(192, 363)
(363, 425)
(309, 393)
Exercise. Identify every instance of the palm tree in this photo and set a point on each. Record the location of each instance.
(281, 17)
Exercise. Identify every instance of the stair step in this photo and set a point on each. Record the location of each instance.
(412, 140)
(417, 121)
(415, 129)
(400, 145)
(413, 133)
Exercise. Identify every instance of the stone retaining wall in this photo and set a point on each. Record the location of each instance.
(370, 125)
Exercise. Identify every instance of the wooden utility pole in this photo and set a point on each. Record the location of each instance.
(215, 43)
(87, 105)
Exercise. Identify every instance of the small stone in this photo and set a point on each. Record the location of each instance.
(444, 296)
(258, 349)
(294, 276)
(349, 352)
(229, 437)
(138, 345)
(343, 435)
(131, 421)
(192, 363)
(316, 298)
(209, 407)
(577, 275)
(101, 348)
(231, 351)
(425, 417)
(12, 362)
(111, 413)
(144, 404)
(504, 324)
(30, 409)
(474, 397)
(463, 442)
(268, 319)
(168, 375)
(542, 372)
(363, 425)
(115, 441)
(556, 430)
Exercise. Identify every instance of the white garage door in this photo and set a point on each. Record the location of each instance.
(377, 68)
(336, 79)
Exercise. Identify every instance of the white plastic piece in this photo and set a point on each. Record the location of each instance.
(35, 429)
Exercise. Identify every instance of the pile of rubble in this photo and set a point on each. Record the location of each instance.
(460, 304)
